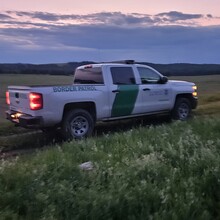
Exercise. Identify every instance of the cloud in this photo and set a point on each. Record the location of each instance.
(5, 16)
(109, 18)
(47, 37)
(40, 15)
(176, 16)
(105, 37)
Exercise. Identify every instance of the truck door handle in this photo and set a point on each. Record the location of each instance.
(116, 91)
(146, 89)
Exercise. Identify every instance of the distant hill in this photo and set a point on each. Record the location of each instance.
(178, 69)
(52, 69)
(186, 69)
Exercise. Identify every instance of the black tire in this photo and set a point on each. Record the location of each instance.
(77, 124)
(182, 109)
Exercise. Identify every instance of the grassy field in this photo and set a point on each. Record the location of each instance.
(208, 92)
(170, 171)
(208, 86)
(146, 171)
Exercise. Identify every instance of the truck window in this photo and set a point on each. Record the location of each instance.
(147, 75)
(89, 76)
(122, 75)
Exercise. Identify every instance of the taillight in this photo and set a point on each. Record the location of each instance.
(36, 101)
(7, 97)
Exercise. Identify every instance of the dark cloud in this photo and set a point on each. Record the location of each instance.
(4, 16)
(45, 16)
(107, 35)
(176, 16)
(109, 18)
(40, 15)
(118, 18)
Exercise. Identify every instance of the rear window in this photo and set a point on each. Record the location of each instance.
(89, 76)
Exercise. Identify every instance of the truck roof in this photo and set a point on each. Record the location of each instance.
(119, 63)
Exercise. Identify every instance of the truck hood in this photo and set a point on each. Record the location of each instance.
(180, 83)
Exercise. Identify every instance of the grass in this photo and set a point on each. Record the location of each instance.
(160, 172)
(209, 104)
(168, 171)
(208, 88)
(207, 85)
(208, 92)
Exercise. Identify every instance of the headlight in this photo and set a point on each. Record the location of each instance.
(194, 87)
(194, 93)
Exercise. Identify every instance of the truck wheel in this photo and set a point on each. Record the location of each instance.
(182, 109)
(77, 124)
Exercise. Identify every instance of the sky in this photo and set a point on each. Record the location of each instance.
(157, 31)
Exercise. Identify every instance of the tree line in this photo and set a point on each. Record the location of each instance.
(177, 69)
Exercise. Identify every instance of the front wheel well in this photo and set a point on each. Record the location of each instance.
(186, 96)
(88, 106)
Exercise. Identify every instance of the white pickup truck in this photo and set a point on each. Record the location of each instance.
(100, 92)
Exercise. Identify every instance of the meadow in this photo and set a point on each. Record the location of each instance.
(169, 171)
(146, 171)
(208, 86)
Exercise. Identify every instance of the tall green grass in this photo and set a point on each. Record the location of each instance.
(168, 171)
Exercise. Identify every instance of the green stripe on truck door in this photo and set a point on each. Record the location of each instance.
(125, 100)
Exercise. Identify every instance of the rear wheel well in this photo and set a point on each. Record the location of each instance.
(88, 106)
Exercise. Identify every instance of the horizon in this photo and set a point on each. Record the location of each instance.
(95, 62)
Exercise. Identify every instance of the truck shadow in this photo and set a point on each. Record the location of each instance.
(128, 124)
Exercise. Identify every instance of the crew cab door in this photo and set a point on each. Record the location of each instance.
(156, 94)
(124, 98)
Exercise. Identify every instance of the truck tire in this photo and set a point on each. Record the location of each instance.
(77, 124)
(182, 109)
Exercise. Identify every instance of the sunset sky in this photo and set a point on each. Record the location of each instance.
(158, 31)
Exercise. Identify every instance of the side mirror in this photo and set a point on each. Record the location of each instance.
(163, 80)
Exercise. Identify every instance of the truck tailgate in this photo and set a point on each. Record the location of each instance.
(19, 98)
